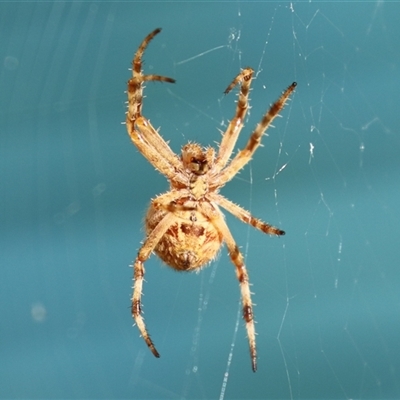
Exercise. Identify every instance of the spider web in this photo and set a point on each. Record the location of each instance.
(74, 191)
(322, 295)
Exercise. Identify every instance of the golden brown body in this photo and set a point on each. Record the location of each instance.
(189, 243)
(185, 226)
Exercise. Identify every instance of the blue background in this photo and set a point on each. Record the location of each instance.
(74, 191)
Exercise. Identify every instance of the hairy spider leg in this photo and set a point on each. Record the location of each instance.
(138, 270)
(141, 132)
(244, 215)
(244, 156)
(236, 257)
(231, 135)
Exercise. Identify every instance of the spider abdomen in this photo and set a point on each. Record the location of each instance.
(189, 243)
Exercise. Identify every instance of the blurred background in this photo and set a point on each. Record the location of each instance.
(74, 191)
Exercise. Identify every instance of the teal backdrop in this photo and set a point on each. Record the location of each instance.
(74, 191)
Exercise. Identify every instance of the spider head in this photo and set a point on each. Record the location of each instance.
(197, 160)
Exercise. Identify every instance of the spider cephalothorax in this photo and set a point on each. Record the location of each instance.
(185, 226)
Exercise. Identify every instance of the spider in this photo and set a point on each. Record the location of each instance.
(185, 226)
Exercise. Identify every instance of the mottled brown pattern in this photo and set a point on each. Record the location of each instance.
(185, 226)
(186, 245)
(193, 230)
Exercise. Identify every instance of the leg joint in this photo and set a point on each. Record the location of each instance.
(136, 308)
(247, 313)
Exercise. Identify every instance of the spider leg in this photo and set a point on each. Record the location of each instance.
(244, 156)
(155, 140)
(235, 126)
(138, 267)
(140, 130)
(144, 136)
(216, 217)
(244, 215)
(135, 84)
